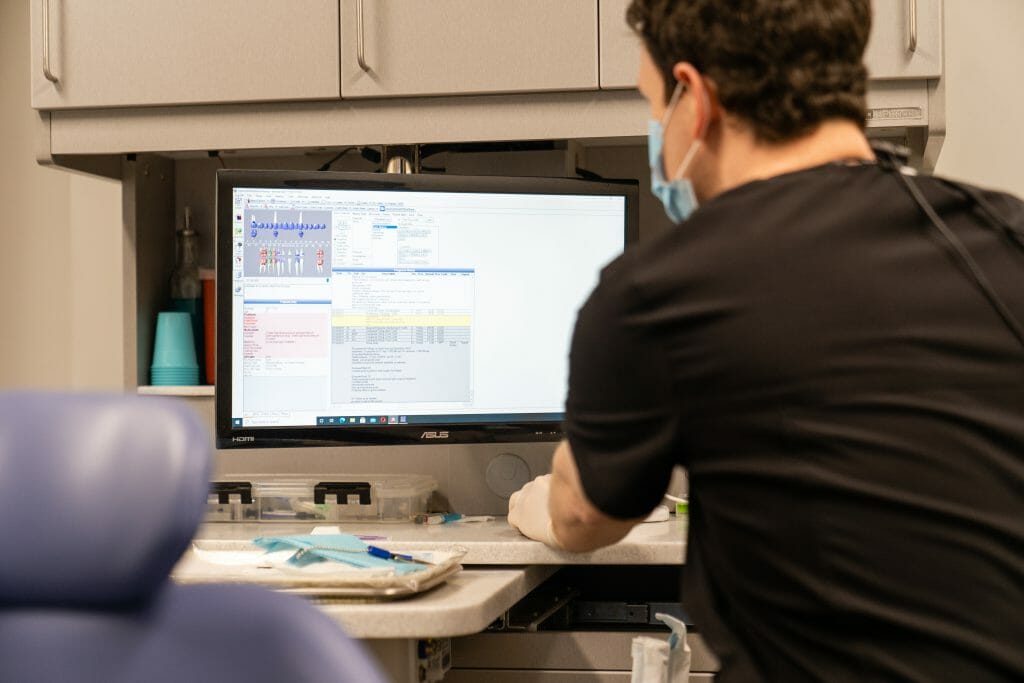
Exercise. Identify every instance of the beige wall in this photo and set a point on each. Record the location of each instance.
(60, 311)
(60, 261)
(985, 97)
(35, 305)
(96, 283)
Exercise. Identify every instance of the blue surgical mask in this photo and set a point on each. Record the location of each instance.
(677, 195)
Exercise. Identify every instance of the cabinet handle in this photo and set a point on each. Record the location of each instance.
(912, 46)
(46, 43)
(360, 52)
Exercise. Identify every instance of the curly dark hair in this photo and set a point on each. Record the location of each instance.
(781, 66)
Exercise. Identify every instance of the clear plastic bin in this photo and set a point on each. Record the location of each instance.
(338, 498)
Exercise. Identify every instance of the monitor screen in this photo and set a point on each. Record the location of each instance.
(385, 309)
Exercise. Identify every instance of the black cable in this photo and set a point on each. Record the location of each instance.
(1013, 233)
(966, 259)
(374, 156)
(215, 154)
(326, 166)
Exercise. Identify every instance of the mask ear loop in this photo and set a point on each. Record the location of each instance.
(670, 109)
(699, 142)
(672, 102)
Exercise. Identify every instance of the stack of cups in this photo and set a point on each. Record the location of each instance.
(174, 351)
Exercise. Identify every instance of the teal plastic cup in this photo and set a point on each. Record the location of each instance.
(174, 348)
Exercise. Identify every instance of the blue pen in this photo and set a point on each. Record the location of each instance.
(388, 555)
(372, 550)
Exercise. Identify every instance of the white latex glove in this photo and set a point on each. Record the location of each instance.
(528, 511)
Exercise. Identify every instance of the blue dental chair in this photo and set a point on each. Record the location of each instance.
(100, 495)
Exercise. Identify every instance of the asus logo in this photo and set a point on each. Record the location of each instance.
(243, 439)
(434, 435)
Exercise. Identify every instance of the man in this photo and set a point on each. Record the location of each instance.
(842, 375)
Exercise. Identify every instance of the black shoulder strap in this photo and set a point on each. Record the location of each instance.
(892, 159)
(1012, 232)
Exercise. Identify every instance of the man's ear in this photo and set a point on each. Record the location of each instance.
(703, 103)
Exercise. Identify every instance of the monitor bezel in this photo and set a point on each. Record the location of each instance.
(228, 436)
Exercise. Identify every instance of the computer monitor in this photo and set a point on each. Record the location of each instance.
(360, 308)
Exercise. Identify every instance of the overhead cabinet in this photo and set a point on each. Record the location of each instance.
(155, 76)
(620, 46)
(457, 47)
(107, 53)
(110, 53)
(906, 39)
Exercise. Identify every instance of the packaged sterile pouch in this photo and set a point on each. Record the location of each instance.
(662, 661)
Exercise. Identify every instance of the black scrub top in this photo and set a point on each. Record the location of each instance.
(850, 409)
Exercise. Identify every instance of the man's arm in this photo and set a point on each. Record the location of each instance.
(554, 509)
(577, 525)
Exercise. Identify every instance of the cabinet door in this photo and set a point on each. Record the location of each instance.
(620, 46)
(110, 53)
(454, 47)
(906, 39)
(888, 54)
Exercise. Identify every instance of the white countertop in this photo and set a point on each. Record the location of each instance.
(503, 567)
(487, 543)
(466, 603)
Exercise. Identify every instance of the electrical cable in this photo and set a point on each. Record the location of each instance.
(326, 166)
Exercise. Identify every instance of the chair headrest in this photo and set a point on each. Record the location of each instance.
(101, 495)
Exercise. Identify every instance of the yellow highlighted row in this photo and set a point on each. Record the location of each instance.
(363, 320)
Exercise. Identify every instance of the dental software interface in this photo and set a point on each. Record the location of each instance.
(356, 307)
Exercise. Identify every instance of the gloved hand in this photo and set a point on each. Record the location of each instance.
(528, 511)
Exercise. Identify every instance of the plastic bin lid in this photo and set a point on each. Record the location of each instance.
(384, 485)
